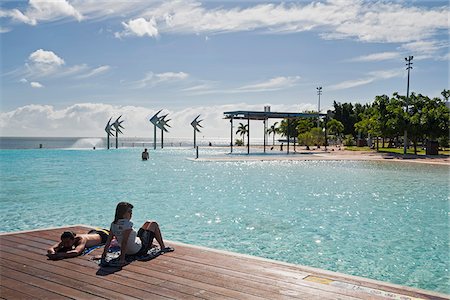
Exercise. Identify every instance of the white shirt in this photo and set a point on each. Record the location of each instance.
(134, 243)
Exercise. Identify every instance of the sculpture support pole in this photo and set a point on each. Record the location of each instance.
(195, 138)
(162, 138)
(231, 135)
(107, 140)
(117, 140)
(154, 137)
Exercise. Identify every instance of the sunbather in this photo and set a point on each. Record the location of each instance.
(73, 244)
(130, 241)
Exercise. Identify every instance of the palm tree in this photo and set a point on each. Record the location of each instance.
(335, 128)
(242, 131)
(273, 130)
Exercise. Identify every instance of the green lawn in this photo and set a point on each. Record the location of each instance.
(394, 150)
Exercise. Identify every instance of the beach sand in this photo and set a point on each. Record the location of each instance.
(331, 153)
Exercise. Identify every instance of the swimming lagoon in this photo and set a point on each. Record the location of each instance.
(383, 220)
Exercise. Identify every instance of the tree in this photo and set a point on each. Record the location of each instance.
(273, 129)
(288, 127)
(380, 115)
(242, 131)
(305, 125)
(318, 136)
(346, 115)
(445, 94)
(335, 128)
(306, 138)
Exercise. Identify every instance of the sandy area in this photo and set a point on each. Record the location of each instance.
(332, 153)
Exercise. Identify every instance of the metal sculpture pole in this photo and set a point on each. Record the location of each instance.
(162, 122)
(109, 133)
(117, 125)
(196, 124)
(154, 120)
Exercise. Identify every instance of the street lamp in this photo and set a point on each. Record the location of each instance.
(405, 137)
(319, 92)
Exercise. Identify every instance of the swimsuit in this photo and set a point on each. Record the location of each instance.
(103, 233)
(146, 237)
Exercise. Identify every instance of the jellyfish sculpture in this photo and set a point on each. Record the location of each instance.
(196, 125)
(117, 125)
(162, 123)
(155, 120)
(109, 131)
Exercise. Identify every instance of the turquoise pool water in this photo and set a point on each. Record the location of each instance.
(383, 220)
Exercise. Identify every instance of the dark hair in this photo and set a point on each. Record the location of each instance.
(121, 209)
(68, 235)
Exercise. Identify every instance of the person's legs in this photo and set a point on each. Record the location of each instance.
(154, 227)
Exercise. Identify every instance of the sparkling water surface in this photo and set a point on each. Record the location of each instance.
(382, 220)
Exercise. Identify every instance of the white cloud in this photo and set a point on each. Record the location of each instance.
(273, 84)
(444, 57)
(95, 72)
(152, 78)
(47, 64)
(45, 57)
(371, 77)
(4, 29)
(35, 84)
(366, 21)
(23, 80)
(42, 63)
(350, 84)
(89, 120)
(139, 27)
(363, 20)
(171, 76)
(43, 10)
(377, 57)
(425, 48)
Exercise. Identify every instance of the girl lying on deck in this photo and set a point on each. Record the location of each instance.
(130, 242)
(72, 244)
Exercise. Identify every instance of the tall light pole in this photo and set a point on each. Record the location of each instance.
(319, 92)
(405, 136)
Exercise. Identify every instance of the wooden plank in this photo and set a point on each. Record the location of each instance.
(188, 273)
(307, 289)
(61, 280)
(21, 290)
(45, 284)
(140, 288)
(85, 277)
(7, 293)
(133, 279)
(189, 280)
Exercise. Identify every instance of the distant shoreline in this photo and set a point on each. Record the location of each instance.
(332, 153)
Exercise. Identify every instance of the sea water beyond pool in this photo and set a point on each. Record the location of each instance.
(382, 220)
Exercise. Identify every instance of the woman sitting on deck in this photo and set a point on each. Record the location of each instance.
(130, 242)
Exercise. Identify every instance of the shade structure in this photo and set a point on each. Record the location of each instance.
(263, 116)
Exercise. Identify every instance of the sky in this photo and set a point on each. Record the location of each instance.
(68, 66)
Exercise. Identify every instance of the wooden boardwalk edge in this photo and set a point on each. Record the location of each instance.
(294, 276)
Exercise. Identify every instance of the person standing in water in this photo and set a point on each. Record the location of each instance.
(145, 154)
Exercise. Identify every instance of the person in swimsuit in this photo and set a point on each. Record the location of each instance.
(130, 241)
(72, 244)
(145, 154)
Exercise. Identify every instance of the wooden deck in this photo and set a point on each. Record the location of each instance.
(188, 273)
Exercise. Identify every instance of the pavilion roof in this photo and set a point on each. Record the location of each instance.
(261, 115)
